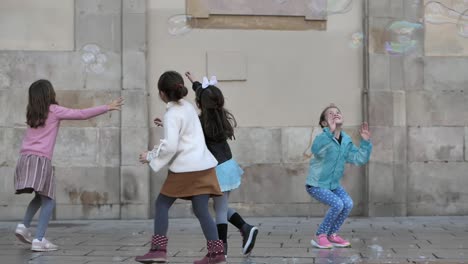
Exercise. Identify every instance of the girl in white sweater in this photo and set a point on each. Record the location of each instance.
(191, 174)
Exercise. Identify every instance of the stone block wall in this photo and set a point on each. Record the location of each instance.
(95, 180)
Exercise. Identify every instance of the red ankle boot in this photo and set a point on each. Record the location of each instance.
(157, 253)
(215, 253)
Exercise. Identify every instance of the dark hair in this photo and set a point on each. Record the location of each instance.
(41, 96)
(217, 122)
(322, 115)
(171, 84)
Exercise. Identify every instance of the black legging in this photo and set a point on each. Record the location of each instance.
(200, 208)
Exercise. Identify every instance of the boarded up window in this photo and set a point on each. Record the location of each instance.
(258, 14)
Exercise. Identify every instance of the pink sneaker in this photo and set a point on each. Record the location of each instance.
(322, 242)
(338, 241)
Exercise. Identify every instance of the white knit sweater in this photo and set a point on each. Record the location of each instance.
(183, 147)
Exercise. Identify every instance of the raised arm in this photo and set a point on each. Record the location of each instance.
(360, 156)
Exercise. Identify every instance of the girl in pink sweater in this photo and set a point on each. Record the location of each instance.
(34, 168)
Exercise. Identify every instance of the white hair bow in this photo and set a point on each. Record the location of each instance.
(207, 82)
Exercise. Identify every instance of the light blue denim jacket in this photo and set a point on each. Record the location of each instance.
(327, 165)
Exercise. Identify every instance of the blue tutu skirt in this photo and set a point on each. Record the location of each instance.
(229, 175)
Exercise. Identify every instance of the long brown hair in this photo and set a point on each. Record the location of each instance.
(41, 96)
(217, 122)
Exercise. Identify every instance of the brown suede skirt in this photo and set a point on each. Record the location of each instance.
(187, 184)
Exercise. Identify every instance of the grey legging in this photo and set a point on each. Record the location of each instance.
(223, 212)
(200, 208)
(48, 205)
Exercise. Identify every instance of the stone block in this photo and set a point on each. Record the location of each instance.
(109, 78)
(134, 6)
(15, 107)
(447, 108)
(135, 211)
(64, 69)
(397, 74)
(5, 78)
(381, 183)
(400, 185)
(3, 142)
(379, 8)
(386, 8)
(433, 191)
(13, 212)
(134, 185)
(108, 154)
(400, 145)
(133, 142)
(413, 68)
(377, 27)
(76, 147)
(397, 8)
(134, 70)
(257, 145)
(85, 7)
(134, 31)
(379, 72)
(466, 143)
(135, 111)
(76, 212)
(88, 186)
(413, 10)
(86, 99)
(5, 109)
(419, 108)
(383, 148)
(295, 142)
(381, 209)
(399, 108)
(445, 73)
(291, 178)
(12, 140)
(436, 144)
(381, 108)
(102, 29)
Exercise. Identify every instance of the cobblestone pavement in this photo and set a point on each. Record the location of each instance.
(281, 240)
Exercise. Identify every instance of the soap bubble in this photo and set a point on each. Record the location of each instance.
(356, 40)
(93, 58)
(401, 37)
(180, 24)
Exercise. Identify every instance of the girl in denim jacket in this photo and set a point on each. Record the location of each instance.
(332, 149)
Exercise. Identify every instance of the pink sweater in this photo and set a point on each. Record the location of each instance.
(41, 141)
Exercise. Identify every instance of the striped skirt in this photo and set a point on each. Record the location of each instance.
(35, 173)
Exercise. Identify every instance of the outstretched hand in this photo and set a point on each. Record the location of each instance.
(364, 131)
(158, 122)
(116, 104)
(143, 157)
(190, 76)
